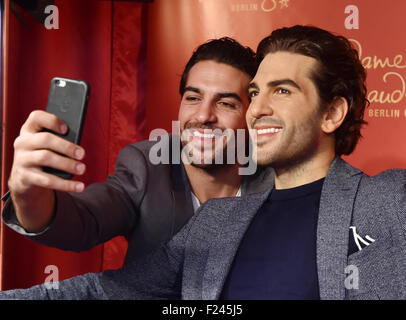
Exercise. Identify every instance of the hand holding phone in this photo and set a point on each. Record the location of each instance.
(43, 147)
(44, 143)
(68, 101)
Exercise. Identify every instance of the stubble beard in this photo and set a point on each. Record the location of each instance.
(292, 151)
(206, 162)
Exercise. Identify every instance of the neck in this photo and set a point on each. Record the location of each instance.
(216, 182)
(305, 172)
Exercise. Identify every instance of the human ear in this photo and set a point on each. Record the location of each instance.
(335, 115)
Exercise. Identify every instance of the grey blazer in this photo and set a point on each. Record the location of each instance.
(195, 263)
(146, 203)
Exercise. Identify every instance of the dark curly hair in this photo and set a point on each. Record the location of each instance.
(224, 50)
(339, 74)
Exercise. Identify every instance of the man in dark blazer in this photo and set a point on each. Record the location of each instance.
(323, 230)
(148, 203)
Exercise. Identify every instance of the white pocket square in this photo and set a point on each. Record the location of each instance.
(360, 242)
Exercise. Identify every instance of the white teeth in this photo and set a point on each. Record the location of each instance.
(268, 130)
(203, 135)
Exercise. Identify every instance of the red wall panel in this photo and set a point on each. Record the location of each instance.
(79, 49)
(177, 27)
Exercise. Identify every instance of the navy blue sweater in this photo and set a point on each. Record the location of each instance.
(277, 256)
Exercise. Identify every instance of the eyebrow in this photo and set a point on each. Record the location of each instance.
(219, 95)
(193, 89)
(276, 83)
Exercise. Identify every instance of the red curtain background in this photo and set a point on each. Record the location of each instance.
(133, 56)
(102, 43)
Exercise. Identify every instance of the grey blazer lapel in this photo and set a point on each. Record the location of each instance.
(182, 206)
(336, 206)
(235, 222)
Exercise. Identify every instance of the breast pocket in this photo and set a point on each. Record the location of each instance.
(375, 272)
(373, 249)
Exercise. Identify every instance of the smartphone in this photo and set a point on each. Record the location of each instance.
(67, 100)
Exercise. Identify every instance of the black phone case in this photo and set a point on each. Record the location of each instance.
(68, 101)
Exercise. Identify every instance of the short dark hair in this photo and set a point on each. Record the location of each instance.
(339, 74)
(224, 50)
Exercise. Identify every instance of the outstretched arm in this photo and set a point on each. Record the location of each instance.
(99, 213)
(157, 276)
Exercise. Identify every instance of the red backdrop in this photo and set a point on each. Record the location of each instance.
(101, 43)
(177, 27)
(133, 55)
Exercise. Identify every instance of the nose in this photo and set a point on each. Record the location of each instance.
(259, 107)
(206, 112)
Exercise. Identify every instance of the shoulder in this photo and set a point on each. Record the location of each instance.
(380, 204)
(384, 189)
(163, 149)
(136, 159)
(383, 194)
(143, 148)
(391, 175)
(385, 182)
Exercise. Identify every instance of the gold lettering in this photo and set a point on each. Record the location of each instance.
(384, 113)
(268, 9)
(244, 7)
(382, 97)
(398, 60)
(359, 47)
(367, 62)
(400, 93)
(375, 62)
(378, 63)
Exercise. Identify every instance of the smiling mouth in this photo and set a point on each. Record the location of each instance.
(203, 135)
(268, 130)
(266, 134)
(200, 137)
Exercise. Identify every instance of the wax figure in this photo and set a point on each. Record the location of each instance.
(145, 202)
(300, 239)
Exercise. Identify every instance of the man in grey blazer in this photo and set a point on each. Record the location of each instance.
(148, 203)
(325, 229)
